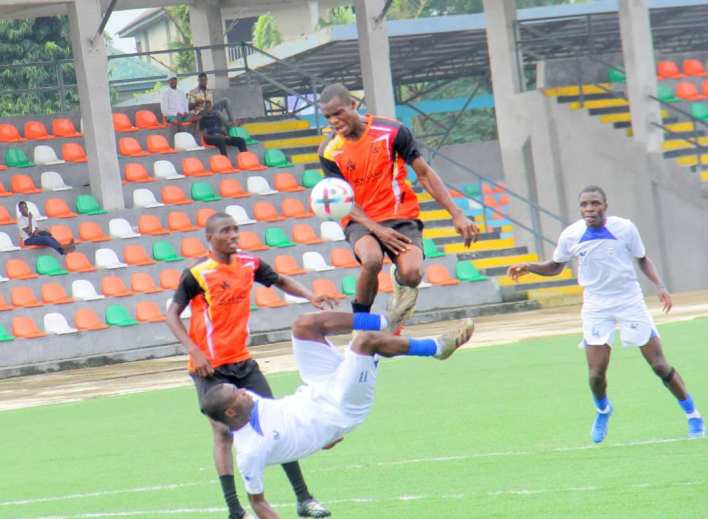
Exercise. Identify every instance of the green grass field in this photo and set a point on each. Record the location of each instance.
(499, 432)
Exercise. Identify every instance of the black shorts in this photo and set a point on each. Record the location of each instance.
(243, 375)
(412, 229)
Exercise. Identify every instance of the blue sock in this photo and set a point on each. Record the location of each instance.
(422, 347)
(601, 404)
(687, 405)
(368, 322)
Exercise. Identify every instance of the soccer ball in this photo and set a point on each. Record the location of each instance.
(332, 199)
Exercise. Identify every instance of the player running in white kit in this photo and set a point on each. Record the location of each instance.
(336, 397)
(606, 248)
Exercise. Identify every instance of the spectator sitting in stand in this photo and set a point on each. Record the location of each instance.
(173, 104)
(30, 234)
(215, 133)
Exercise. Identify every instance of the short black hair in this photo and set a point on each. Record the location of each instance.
(335, 90)
(211, 221)
(21, 202)
(202, 75)
(594, 189)
(215, 402)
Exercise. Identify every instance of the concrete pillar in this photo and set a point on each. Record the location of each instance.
(374, 56)
(313, 9)
(640, 68)
(208, 29)
(92, 77)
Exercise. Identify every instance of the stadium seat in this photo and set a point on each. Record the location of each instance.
(16, 158)
(36, 131)
(231, 188)
(221, 164)
(23, 184)
(136, 172)
(45, 156)
(665, 93)
(91, 231)
(6, 244)
(349, 285)
(4, 306)
(143, 198)
(148, 312)
(5, 335)
(294, 208)
(87, 204)
(311, 177)
(120, 228)
(4, 192)
(315, 262)
(704, 87)
(147, 120)
(46, 265)
(113, 286)
(130, 147)
(32, 208)
(294, 300)
(275, 158)
(192, 247)
(56, 324)
(169, 279)
(343, 258)
(178, 221)
(184, 141)
(9, 133)
(54, 294)
(23, 297)
(430, 250)
(203, 215)
(203, 192)
(25, 328)
(615, 75)
(259, 186)
(151, 225)
(248, 161)
(141, 282)
(385, 283)
(83, 290)
(691, 67)
(266, 212)
(173, 195)
(250, 241)
(287, 265)
(18, 269)
(303, 233)
(108, 259)
(276, 237)
(186, 313)
(193, 167)
(326, 287)
(121, 123)
(164, 251)
(57, 208)
(166, 170)
(437, 274)
(668, 70)
(237, 131)
(239, 214)
(78, 262)
(52, 181)
(62, 233)
(73, 152)
(87, 320)
(699, 111)
(136, 254)
(688, 91)
(117, 315)
(331, 231)
(286, 182)
(158, 144)
(466, 271)
(268, 298)
(64, 128)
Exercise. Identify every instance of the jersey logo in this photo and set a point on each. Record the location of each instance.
(225, 285)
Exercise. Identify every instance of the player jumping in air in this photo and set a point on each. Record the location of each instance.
(605, 247)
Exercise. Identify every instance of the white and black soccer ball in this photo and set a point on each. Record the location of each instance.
(332, 199)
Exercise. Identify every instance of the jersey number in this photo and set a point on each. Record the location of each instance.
(362, 377)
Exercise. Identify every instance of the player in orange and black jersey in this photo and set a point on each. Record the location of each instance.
(371, 154)
(218, 289)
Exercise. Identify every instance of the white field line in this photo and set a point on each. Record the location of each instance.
(391, 463)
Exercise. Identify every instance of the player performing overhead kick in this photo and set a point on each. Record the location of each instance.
(337, 395)
(605, 247)
(371, 153)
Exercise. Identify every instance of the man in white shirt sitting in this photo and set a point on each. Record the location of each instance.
(30, 234)
(174, 104)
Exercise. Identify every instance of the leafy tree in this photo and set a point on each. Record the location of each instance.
(179, 16)
(341, 15)
(266, 33)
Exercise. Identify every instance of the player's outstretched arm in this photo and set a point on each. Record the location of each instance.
(647, 266)
(261, 507)
(294, 288)
(547, 268)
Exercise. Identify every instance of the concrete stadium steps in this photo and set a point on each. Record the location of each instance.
(268, 127)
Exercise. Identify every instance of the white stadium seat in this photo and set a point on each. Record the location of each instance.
(46, 156)
(331, 231)
(83, 290)
(108, 259)
(314, 261)
(186, 313)
(6, 244)
(145, 199)
(165, 169)
(52, 181)
(185, 142)
(56, 323)
(295, 300)
(259, 186)
(121, 228)
(239, 214)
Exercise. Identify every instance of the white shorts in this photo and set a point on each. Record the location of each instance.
(636, 325)
(346, 382)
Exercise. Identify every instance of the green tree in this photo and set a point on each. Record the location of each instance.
(266, 33)
(341, 15)
(400, 9)
(179, 16)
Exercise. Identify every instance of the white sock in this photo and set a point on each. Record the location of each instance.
(694, 414)
(384, 322)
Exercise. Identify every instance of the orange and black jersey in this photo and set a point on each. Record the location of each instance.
(375, 166)
(220, 295)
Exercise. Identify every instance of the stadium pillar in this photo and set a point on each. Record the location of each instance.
(640, 69)
(374, 58)
(313, 9)
(91, 65)
(208, 29)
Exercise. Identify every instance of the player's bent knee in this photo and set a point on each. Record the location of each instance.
(410, 276)
(372, 265)
(306, 327)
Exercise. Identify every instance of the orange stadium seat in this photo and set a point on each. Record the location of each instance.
(385, 284)
(180, 222)
(266, 212)
(25, 328)
(437, 274)
(343, 258)
(287, 265)
(268, 298)
(62, 233)
(73, 152)
(136, 172)
(221, 164)
(691, 67)
(8, 133)
(4, 307)
(169, 279)
(23, 184)
(231, 188)
(704, 87)
(303, 233)
(250, 241)
(4, 192)
(58, 208)
(141, 282)
(148, 312)
(130, 147)
(249, 161)
(121, 123)
(78, 262)
(23, 297)
(294, 208)
(113, 286)
(64, 128)
(36, 131)
(85, 319)
(192, 247)
(203, 215)
(19, 269)
(157, 143)
(193, 167)
(147, 120)
(174, 195)
(151, 225)
(326, 287)
(91, 231)
(668, 70)
(55, 294)
(136, 255)
(688, 91)
(286, 182)
(5, 218)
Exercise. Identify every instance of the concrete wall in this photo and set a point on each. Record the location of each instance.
(482, 157)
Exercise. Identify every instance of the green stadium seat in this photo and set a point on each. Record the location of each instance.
(699, 111)
(16, 158)
(275, 158)
(276, 237)
(349, 285)
(615, 75)
(310, 178)
(237, 131)
(118, 315)
(87, 204)
(666, 93)
(203, 192)
(164, 251)
(466, 271)
(49, 266)
(430, 250)
(472, 190)
(5, 335)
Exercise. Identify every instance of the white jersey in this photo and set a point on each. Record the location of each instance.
(605, 260)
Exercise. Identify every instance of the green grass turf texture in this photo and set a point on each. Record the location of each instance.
(483, 435)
